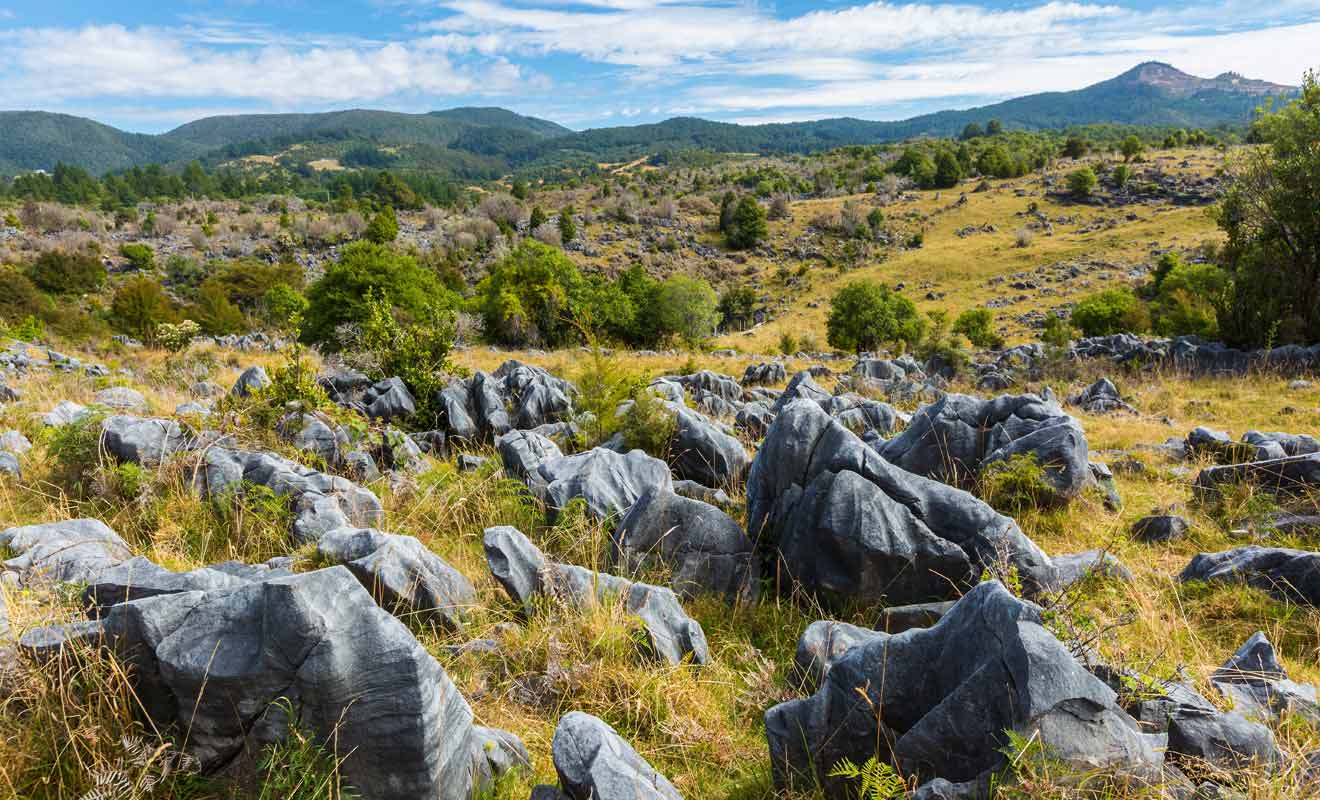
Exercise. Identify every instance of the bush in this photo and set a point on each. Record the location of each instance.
(648, 424)
(416, 350)
(532, 297)
(364, 268)
(1082, 182)
(788, 344)
(140, 306)
(1016, 483)
(688, 307)
(245, 282)
(282, 304)
(1111, 311)
(977, 325)
(1187, 298)
(176, 338)
(384, 227)
(748, 226)
(865, 315)
(215, 314)
(1056, 331)
(140, 256)
(19, 298)
(65, 272)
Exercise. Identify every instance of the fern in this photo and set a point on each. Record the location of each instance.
(875, 779)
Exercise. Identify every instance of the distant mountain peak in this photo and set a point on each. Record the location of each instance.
(1176, 83)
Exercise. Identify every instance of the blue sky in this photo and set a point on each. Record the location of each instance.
(147, 66)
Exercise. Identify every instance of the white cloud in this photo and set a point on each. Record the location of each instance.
(51, 64)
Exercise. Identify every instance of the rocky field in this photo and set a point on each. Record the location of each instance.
(231, 573)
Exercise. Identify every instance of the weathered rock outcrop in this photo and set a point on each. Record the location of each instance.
(847, 524)
(525, 573)
(700, 451)
(937, 696)
(703, 548)
(1259, 686)
(595, 763)
(1290, 475)
(1291, 574)
(72, 551)
(143, 440)
(609, 482)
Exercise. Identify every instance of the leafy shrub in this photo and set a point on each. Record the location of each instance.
(384, 227)
(141, 256)
(282, 303)
(1082, 182)
(648, 424)
(140, 306)
(19, 298)
(865, 315)
(941, 344)
(688, 307)
(214, 313)
(176, 337)
(1111, 311)
(1056, 331)
(788, 344)
(365, 269)
(533, 297)
(748, 225)
(603, 384)
(68, 272)
(74, 451)
(1188, 298)
(245, 282)
(977, 325)
(1015, 483)
(416, 350)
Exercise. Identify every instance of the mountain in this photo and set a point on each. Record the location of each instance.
(385, 127)
(38, 140)
(476, 143)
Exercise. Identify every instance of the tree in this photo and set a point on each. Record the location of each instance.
(536, 219)
(384, 227)
(340, 296)
(972, 130)
(140, 256)
(140, 306)
(1131, 147)
(948, 171)
(1081, 182)
(1272, 252)
(1075, 147)
(215, 313)
(865, 315)
(68, 272)
(688, 307)
(567, 227)
(737, 306)
(749, 227)
(977, 324)
(1109, 312)
(533, 297)
(282, 304)
(994, 127)
(728, 203)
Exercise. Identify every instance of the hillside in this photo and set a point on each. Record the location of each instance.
(485, 141)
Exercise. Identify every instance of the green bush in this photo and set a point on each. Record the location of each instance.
(214, 313)
(748, 227)
(865, 315)
(142, 257)
(648, 424)
(1082, 182)
(1188, 298)
(65, 272)
(363, 269)
(176, 337)
(977, 324)
(246, 281)
(1111, 311)
(140, 306)
(383, 228)
(416, 350)
(533, 297)
(282, 303)
(19, 298)
(687, 307)
(1016, 483)
(1056, 331)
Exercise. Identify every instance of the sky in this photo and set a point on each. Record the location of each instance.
(150, 66)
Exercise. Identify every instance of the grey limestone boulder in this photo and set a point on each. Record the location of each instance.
(253, 378)
(595, 763)
(1287, 573)
(72, 551)
(144, 440)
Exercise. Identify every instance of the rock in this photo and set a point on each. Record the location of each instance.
(755, 419)
(1070, 569)
(700, 451)
(321, 502)
(316, 433)
(138, 577)
(695, 491)
(228, 666)
(525, 573)
(345, 386)
(389, 400)
(470, 463)
(66, 412)
(1257, 684)
(536, 397)
(121, 398)
(191, 409)
(801, 387)
(595, 763)
(457, 412)
(772, 372)
(1201, 740)
(143, 440)
(361, 467)
(609, 482)
(1291, 475)
(432, 443)
(1103, 479)
(703, 549)
(9, 394)
(1101, 397)
(404, 576)
(523, 451)
(1278, 445)
(489, 403)
(9, 464)
(953, 438)
(897, 619)
(73, 551)
(14, 442)
(253, 378)
(1291, 574)
(205, 389)
(499, 751)
(1202, 441)
(1161, 528)
(850, 527)
(399, 452)
(937, 696)
(820, 646)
